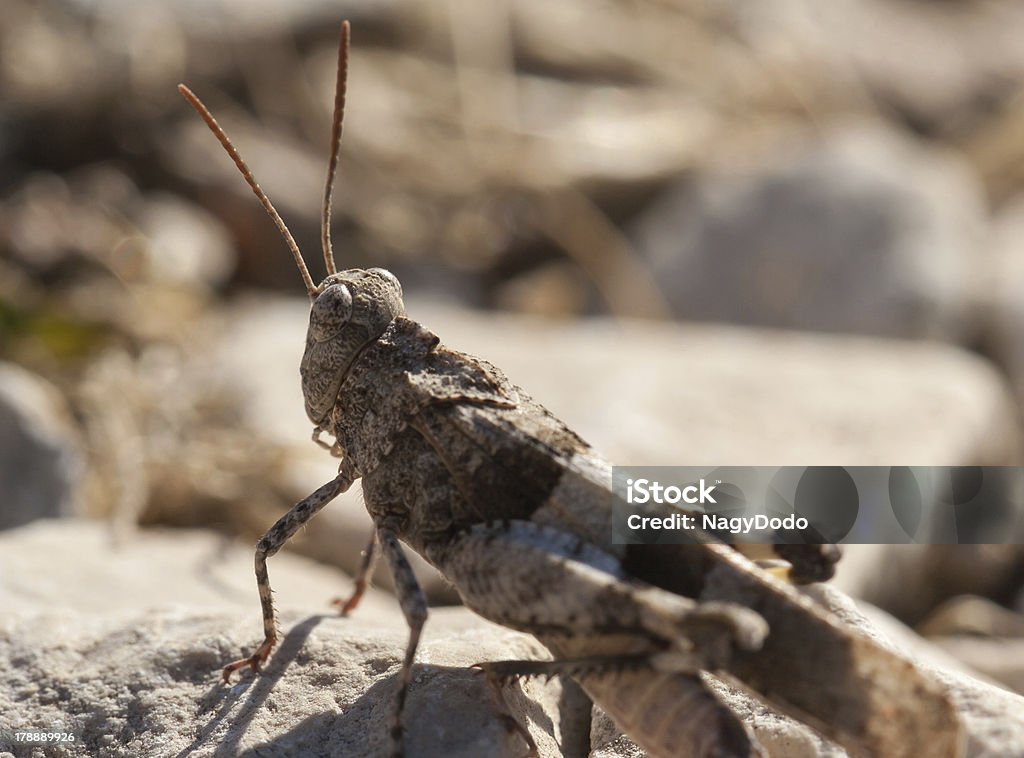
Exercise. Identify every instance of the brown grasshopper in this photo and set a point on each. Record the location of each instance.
(514, 509)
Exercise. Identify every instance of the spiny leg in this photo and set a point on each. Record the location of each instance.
(371, 555)
(269, 544)
(414, 607)
(495, 681)
(502, 673)
(507, 672)
(648, 679)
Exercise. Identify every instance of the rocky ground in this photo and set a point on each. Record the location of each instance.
(122, 645)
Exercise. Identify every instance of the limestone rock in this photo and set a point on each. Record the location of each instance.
(689, 394)
(1000, 295)
(1000, 659)
(124, 646)
(929, 575)
(39, 458)
(853, 230)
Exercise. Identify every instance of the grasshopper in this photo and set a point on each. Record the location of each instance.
(514, 509)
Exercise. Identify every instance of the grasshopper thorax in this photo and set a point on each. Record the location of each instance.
(351, 310)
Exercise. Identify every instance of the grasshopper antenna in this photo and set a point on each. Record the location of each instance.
(332, 165)
(211, 122)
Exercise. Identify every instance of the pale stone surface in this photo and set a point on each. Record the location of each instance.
(1001, 659)
(781, 736)
(1000, 295)
(646, 392)
(124, 646)
(40, 460)
(147, 683)
(850, 228)
(928, 575)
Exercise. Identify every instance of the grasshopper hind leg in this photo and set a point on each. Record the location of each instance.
(667, 711)
(501, 674)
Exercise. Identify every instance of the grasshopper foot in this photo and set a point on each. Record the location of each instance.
(345, 606)
(254, 661)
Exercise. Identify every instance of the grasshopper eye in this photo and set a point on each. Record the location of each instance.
(332, 309)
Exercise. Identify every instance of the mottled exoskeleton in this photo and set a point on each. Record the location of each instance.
(515, 510)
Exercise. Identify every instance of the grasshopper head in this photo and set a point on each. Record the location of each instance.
(352, 309)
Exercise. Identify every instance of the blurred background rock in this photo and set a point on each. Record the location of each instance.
(783, 232)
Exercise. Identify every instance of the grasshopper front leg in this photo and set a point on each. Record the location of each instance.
(270, 543)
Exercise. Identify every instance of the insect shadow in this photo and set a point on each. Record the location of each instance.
(436, 692)
(257, 688)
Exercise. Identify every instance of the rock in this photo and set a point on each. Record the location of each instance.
(929, 575)
(1000, 659)
(1000, 294)
(147, 683)
(606, 741)
(124, 646)
(991, 716)
(972, 615)
(40, 463)
(853, 230)
(780, 735)
(983, 635)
